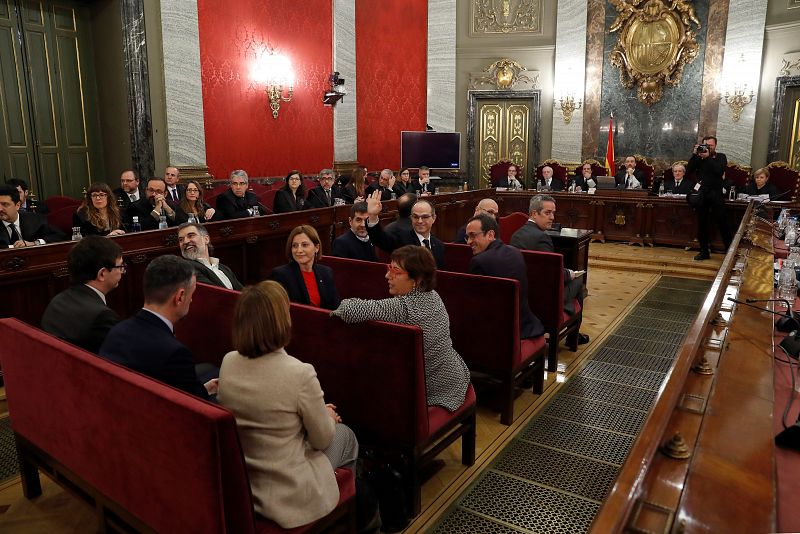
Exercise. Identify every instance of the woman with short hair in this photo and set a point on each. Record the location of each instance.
(98, 214)
(292, 441)
(411, 277)
(760, 185)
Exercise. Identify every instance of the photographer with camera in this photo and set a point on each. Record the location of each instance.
(708, 166)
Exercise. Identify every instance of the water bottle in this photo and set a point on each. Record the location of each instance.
(661, 189)
(791, 236)
(256, 213)
(76, 233)
(466, 186)
(162, 222)
(787, 282)
(572, 187)
(732, 193)
(135, 226)
(192, 218)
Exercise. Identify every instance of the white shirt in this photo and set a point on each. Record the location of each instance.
(214, 266)
(166, 321)
(134, 196)
(16, 225)
(421, 237)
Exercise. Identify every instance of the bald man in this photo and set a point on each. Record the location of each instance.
(487, 206)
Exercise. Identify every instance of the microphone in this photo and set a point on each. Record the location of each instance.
(787, 323)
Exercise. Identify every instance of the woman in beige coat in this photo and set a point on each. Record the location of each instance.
(292, 440)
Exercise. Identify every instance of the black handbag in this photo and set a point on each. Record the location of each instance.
(695, 198)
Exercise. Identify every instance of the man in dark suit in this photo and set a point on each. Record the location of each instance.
(175, 190)
(355, 244)
(195, 245)
(511, 180)
(23, 229)
(423, 187)
(491, 257)
(423, 215)
(150, 208)
(533, 236)
(237, 202)
(326, 193)
(79, 314)
(584, 180)
(403, 222)
(709, 167)
(487, 206)
(385, 185)
(146, 342)
(629, 177)
(22, 187)
(678, 185)
(129, 190)
(549, 182)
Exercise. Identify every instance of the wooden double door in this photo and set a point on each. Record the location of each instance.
(49, 122)
(504, 132)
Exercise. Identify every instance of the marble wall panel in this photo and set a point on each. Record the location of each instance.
(665, 131)
(595, 31)
(441, 109)
(742, 64)
(569, 78)
(712, 67)
(345, 133)
(182, 83)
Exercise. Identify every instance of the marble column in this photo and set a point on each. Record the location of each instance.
(569, 76)
(345, 132)
(183, 91)
(744, 40)
(441, 114)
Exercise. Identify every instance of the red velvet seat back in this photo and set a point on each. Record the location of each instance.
(257, 188)
(545, 286)
(356, 278)
(268, 198)
(457, 257)
(206, 329)
(62, 218)
(510, 224)
(739, 175)
(499, 170)
(785, 179)
(170, 459)
(57, 202)
(374, 372)
(218, 189)
(647, 168)
(559, 171)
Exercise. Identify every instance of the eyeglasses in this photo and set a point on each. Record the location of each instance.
(99, 195)
(423, 217)
(238, 184)
(395, 270)
(122, 267)
(156, 191)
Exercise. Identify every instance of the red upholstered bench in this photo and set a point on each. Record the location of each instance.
(146, 456)
(374, 372)
(489, 341)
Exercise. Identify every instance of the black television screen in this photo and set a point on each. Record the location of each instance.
(437, 150)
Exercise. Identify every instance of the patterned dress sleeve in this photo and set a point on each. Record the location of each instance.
(392, 310)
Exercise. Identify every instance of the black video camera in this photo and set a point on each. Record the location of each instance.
(702, 149)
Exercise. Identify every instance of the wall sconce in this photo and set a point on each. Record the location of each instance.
(337, 91)
(736, 95)
(275, 72)
(566, 102)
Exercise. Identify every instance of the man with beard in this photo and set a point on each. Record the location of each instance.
(152, 207)
(195, 245)
(355, 244)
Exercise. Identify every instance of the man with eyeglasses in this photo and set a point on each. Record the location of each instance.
(129, 190)
(80, 314)
(326, 193)
(174, 191)
(423, 215)
(237, 202)
(492, 257)
(487, 206)
(385, 185)
(151, 208)
(533, 236)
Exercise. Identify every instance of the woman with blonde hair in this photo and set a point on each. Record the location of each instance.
(760, 185)
(292, 440)
(98, 214)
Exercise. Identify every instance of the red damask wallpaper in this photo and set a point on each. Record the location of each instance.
(391, 62)
(240, 131)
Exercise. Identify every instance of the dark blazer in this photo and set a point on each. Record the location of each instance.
(291, 279)
(708, 171)
(79, 218)
(423, 188)
(461, 235)
(580, 181)
(684, 188)
(401, 189)
(503, 182)
(556, 184)
(398, 226)
(33, 226)
(229, 206)
(386, 193)
(182, 217)
(41, 208)
(317, 199)
(126, 200)
(286, 202)
(78, 315)
(348, 245)
(143, 209)
(207, 276)
(181, 192)
(388, 242)
(503, 261)
(144, 343)
(768, 189)
(619, 178)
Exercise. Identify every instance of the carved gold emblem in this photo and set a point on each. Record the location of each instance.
(504, 74)
(619, 218)
(656, 41)
(505, 16)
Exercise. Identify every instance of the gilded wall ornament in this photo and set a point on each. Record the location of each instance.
(506, 16)
(504, 74)
(656, 41)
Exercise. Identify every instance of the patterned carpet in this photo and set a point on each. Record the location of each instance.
(9, 468)
(556, 472)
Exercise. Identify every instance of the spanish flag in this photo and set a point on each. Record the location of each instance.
(610, 148)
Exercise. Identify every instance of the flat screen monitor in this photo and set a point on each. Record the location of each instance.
(437, 150)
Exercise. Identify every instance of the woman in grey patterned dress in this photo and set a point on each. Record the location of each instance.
(411, 276)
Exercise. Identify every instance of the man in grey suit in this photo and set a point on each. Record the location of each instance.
(79, 314)
(533, 236)
(195, 245)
